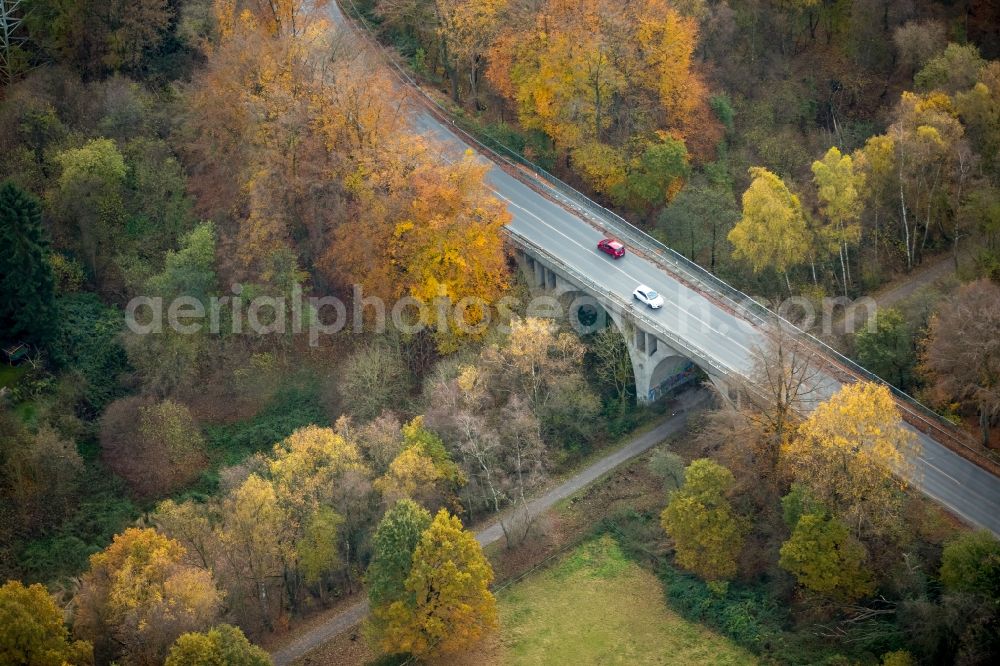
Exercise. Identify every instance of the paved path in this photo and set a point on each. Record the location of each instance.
(353, 615)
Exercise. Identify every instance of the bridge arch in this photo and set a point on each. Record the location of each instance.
(657, 367)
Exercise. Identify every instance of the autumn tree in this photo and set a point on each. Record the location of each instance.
(138, 596)
(379, 441)
(318, 549)
(156, 447)
(956, 68)
(460, 31)
(927, 141)
(278, 158)
(423, 471)
(849, 453)
(979, 108)
(918, 41)
(449, 605)
(277, 18)
(501, 450)
(40, 474)
(323, 491)
(772, 232)
(254, 546)
(616, 89)
(877, 161)
(440, 245)
(962, 354)
(838, 185)
(26, 290)
(32, 629)
(395, 539)
(375, 378)
(87, 201)
(825, 558)
(707, 533)
(544, 366)
(222, 645)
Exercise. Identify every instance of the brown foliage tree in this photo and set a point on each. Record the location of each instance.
(155, 447)
(962, 351)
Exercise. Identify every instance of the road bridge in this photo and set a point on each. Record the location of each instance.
(556, 230)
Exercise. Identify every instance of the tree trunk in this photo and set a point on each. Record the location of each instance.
(715, 232)
(843, 268)
(906, 225)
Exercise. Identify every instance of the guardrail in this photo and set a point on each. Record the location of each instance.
(677, 263)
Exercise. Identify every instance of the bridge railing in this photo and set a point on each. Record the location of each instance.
(927, 419)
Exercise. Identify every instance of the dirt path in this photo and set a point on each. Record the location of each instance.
(906, 285)
(354, 614)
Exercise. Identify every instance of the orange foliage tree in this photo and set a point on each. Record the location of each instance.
(608, 83)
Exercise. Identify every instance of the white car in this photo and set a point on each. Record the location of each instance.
(647, 295)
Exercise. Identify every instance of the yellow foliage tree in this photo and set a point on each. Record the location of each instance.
(772, 232)
(138, 596)
(224, 645)
(451, 605)
(849, 453)
(604, 80)
(436, 238)
(412, 475)
(707, 534)
(825, 558)
(307, 466)
(838, 185)
(255, 544)
(32, 630)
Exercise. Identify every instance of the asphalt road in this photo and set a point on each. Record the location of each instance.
(686, 404)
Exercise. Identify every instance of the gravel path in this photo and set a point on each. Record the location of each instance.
(353, 615)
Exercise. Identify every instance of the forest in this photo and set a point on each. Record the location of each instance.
(188, 496)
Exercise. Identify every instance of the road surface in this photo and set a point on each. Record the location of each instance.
(687, 403)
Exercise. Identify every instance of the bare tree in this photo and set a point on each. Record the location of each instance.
(500, 447)
(962, 351)
(614, 365)
(785, 383)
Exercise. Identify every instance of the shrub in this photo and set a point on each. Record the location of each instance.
(88, 342)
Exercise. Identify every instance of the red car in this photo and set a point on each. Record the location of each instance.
(612, 247)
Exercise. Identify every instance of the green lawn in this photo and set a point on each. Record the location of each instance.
(596, 606)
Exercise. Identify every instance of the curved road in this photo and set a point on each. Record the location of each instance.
(687, 403)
